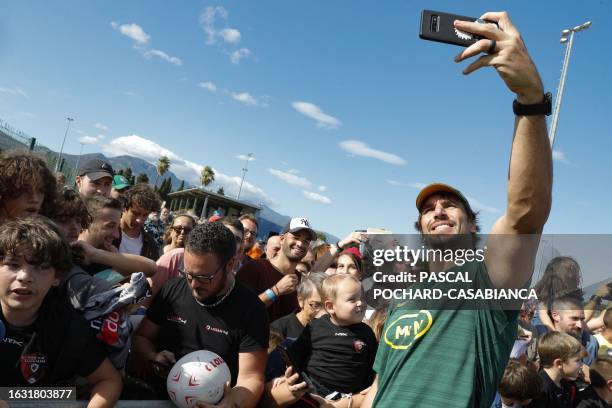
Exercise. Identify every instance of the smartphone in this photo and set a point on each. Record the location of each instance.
(438, 26)
(302, 377)
(290, 361)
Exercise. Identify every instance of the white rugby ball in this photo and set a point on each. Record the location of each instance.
(198, 376)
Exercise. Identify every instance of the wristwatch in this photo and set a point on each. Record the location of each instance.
(542, 108)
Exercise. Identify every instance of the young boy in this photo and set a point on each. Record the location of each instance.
(599, 393)
(46, 342)
(519, 386)
(27, 186)
(561, 358)
(337, 350)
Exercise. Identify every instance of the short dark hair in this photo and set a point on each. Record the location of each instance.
(212, 238)
(250, 217)
(601, 371)
(97, 203)
(232, 222)
(607, 317)
(143, 196)
(519, 382)
(22, 171)
(41, 238)
(69, 204)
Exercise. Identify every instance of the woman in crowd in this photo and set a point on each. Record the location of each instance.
(178, 231)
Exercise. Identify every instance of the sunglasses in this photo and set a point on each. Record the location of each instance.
(200, 278)
(179, 228)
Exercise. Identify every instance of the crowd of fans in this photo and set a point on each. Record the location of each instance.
(108, 293)
(103, 289)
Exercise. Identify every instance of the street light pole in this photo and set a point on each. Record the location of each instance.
(568, 51)
(79, 158)
(244, 171)
(59, 160)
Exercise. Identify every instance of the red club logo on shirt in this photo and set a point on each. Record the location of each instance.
(33, 367)
(358, 345)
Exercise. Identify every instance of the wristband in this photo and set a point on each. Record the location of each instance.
(270, 294)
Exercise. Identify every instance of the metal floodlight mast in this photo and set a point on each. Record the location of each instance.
(244, 171)
(59, 159)
(567, 37)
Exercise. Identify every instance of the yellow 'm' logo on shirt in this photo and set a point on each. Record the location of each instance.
(404, 330)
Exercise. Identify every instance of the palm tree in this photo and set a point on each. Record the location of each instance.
(163, 165)
(207, 176)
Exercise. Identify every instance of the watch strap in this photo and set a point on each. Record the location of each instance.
(542, 108)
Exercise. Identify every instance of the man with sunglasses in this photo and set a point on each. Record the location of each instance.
(207, 309)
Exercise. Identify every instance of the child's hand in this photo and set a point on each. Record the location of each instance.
(297, 389)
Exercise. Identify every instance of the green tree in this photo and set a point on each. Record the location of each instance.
(321, 236)
(127, 173)
(164, 188)
(120, 172)
(221, 191)
(163, 165)
(207, 176)
(181, 186)
(142, 178)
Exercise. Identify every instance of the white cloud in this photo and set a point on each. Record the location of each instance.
(314, 112)
(102, 127)
(291, 178)
(237, 55)
(14, 91)
(130, 93)
(230, 35)
(477, 205)
(150, 151)
(247, 99)
(359, 148)
(316, 197)
(559, 156)
(208, 86)
(160, 54)
(293, 171)
(322, 188)
(207, 21)
(244, 157)
(88, 140)
(133, 31)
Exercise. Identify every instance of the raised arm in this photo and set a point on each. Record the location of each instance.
(510, 257)
(125, 264)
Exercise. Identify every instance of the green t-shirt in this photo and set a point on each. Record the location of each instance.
(444, 358)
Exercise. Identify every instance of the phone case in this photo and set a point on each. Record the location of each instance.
(438, 26)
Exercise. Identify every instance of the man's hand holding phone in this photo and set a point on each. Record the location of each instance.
(504, 50)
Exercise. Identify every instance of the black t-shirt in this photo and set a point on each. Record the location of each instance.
(340, 358)
(58, 346)
(288, 326)
(588, 398)
(553, 396)
(239, 324)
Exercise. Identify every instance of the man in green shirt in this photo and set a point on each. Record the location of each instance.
(456, 357)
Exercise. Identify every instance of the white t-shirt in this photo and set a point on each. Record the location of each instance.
(130, 245)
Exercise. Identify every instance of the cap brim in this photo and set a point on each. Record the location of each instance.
(313, 235)
(97, 175)
(436, 188)
(120, 186)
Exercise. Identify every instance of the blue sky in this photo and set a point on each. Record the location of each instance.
(346, 111)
